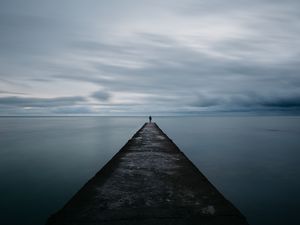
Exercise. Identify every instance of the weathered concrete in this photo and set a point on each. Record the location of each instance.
(149, 181)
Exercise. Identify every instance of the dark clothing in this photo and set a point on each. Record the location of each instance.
(150, 119)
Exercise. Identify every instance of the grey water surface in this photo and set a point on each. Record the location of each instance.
(253, 161)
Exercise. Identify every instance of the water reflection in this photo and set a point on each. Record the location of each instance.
(253, 161)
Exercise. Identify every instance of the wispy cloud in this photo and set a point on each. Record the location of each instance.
(40, 102)
(165, 57)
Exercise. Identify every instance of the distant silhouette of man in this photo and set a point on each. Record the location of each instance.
(150, 119)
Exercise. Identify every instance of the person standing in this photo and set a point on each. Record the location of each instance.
(150, 119)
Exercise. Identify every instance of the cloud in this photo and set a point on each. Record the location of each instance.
(101, 95)
(184, 57)
(207, 101)
(283, 102)
(181, 74)
(12, 92)
(40, 102)
(250, 101)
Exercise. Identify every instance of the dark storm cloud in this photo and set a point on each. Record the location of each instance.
(250, 101)
(283, 102)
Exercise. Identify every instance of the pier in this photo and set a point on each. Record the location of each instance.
(149, 181)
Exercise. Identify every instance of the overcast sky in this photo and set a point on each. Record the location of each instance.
(138, 57)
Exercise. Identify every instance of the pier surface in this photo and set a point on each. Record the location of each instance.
(149, 181)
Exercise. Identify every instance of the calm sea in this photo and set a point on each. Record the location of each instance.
(253, 161)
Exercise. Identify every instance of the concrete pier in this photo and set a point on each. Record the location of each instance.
(149, 181)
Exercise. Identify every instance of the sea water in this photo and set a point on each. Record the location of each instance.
(253, 161)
